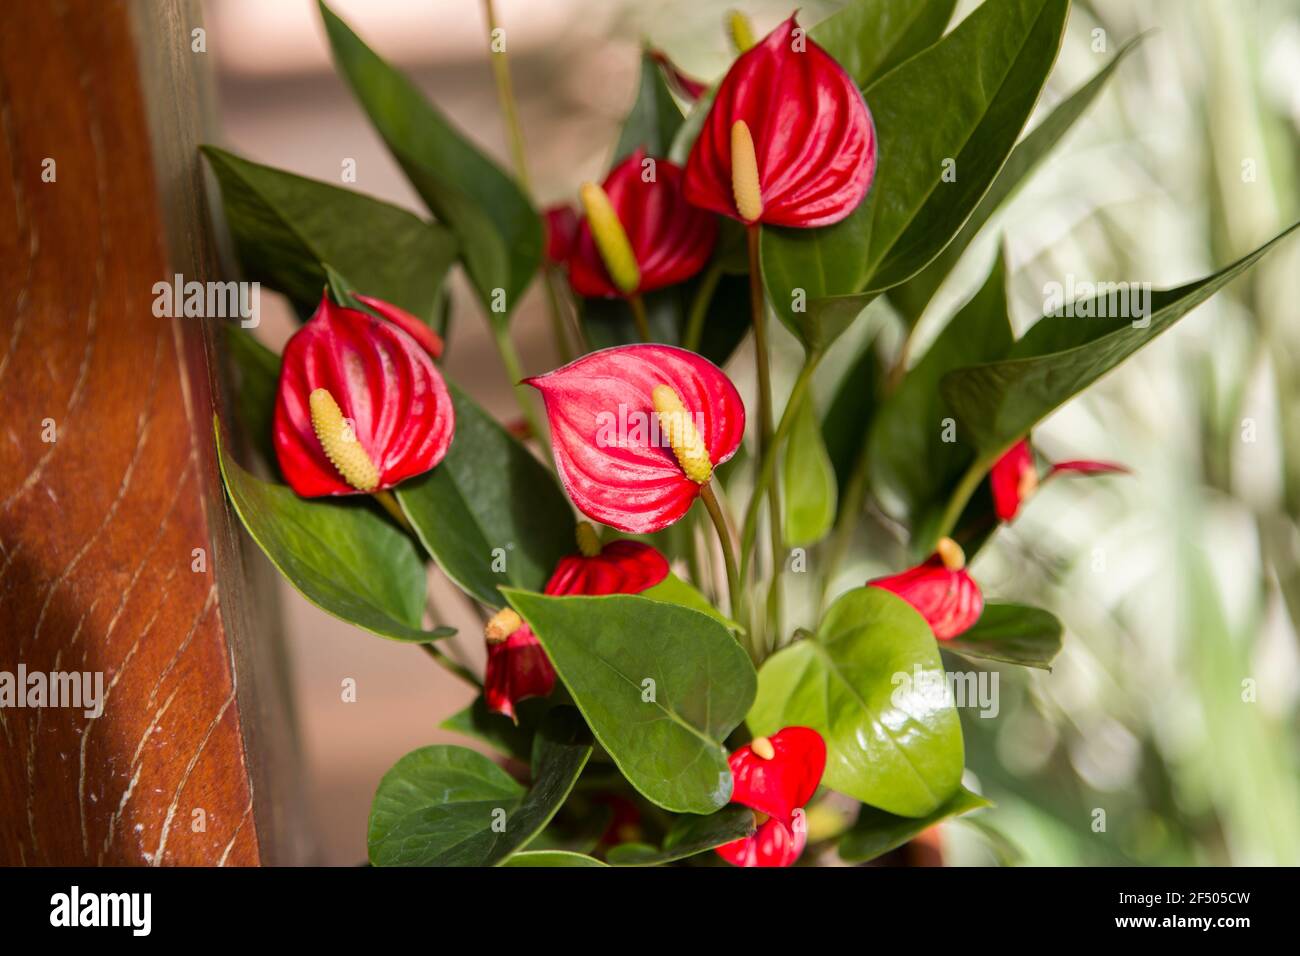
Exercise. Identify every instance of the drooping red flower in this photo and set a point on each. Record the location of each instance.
(775, 776)
(360, 405)
(1014, 479)
(684, 85)
(560, 223)
(670, 240)
(517, 666)
(637, 429)
(807, 139)
(941, 589)
(428, 339)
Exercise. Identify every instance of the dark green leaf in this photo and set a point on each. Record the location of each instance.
(499, 233)
(655, 117)
(342, 557)
(809, 481)
(876, 832)
(674, 590)
(915, 294)
(257, 372)
(1013, 634)
(690, 835)
(870, 37)
(853, 408)
(551, 858)
(489, 493)
(448, 806)
(660, 685)
(498, 731)
(802, 266)
(286, 227)
(1060, 356)
(872, 684)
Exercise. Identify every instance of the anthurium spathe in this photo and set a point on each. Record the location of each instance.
(428, 339)
(517, 666)
(1014, 479)
(789, 140)
(560, 223)
(360, 405)
(775, 776)
(941, 589)
(637, 430)
(639, 232)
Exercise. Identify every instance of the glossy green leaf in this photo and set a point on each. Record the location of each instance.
(674, 590)
(286, 227)
(341, 556)
(852, 409)
(257, 374)
(489, 503)
(661, 687)
(962, 101)
(507, 737)
(915, 294)
(689, 835)
(1060, 356)
(551, 858)
(803, 266)
(916, 451)
(655, 117)
(499, 233)
(809, 481)
(1013, 634)
(448, 806)
(867, 683)
(870, 37)
(876, 832)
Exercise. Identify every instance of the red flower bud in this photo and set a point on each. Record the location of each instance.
(428, 339)
(775, 776)
(1014, 479)
(517, 666)
(941, 589)
(637, 429)
(560, 223)
(813, 153)
(670, 240)
(685, 86)
(360, 407)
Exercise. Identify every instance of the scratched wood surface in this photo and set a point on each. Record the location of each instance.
(98, 528)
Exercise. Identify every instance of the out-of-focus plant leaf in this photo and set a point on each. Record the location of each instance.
(689, 835)
(1013, 634)
(489, 493)
(655, 117)
(809, 481)
(286, 227)
(499, 233)
(551, 858)
(997, 403)
(661, 686)
(915, 294)
(852, 409)
(870, 37)
(438, 805)
(257, 370)
(505, 736)
(342, 557)
(876, 832)
(871, 682)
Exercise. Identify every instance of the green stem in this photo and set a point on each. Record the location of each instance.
(637, 305)
(700, 308)
(506, 96)
(464, 673)
(390, 505)
(758, 307)
(850, 506)
(962, 494)
(728, 547)
(510, 358)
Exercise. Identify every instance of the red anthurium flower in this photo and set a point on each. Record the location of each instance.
(517, 666)
(637, 430)
(560, 223)
(429, 340)
(789, 140)
(639, 236)
(941, 589)
(775, 776)
(1014, 478)
(360, 405)
(687, 87)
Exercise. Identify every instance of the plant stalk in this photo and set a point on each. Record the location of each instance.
(758, 307)
(728, 546)
(461, 671)
(637, 305)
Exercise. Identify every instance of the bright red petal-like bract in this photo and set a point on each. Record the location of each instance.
(948, 599)
(429, 340)
(1014, 478)
(778, 782)
(561, 225)
(814, 139)
(385, 385)
(518, 667)
(671, 239)
(684, 85)
(613, 459)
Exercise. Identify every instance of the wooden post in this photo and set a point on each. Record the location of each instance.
(118, 554)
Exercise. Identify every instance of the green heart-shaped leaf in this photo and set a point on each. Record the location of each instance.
(499, 233)
(257, 373)
(286, 227)
(870, 37)
(342, 557)
(510, 738)
(866, 681)
(490, 504)
(661, 687)
(551, 858)
(1013, 634)
(448, 806)
(809, 481)
(689, 835)
(876, 832)
(674, 590)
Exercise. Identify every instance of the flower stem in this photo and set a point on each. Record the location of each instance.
(637, 305)
(758, 307)
(510, 358)
(506, 96)
(390, 504)
(461, 671)
(728, 547)
(700, 308)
